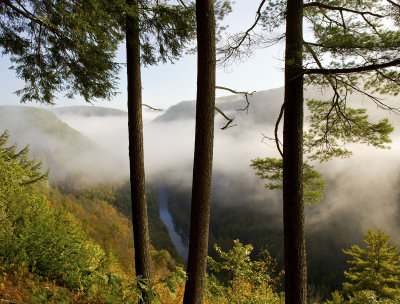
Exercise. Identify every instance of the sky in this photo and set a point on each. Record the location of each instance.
(168, 84)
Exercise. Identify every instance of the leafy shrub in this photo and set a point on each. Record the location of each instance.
(47, 241)
(237, 279)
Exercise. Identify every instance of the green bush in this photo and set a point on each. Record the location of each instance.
(237, 279)
(49, 242)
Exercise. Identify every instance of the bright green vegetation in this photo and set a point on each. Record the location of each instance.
(236, 278)
(374, 268)
(82, 245)
(46, 241)
(77, 248)
(271, 169)
(374, 275)
(330, 130)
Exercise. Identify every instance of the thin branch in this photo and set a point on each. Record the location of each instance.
(365, 68)
(336, 97)
(23, 7)
(394, 3)
(333, 21)
(258, 13)
(183, 3)
(150, 107)
(232, 48)
(344, 22)
(372, 26)
(396, 81)
(246, 95)
(233, 91)
(394, 47)
(376, 100)
(278, 143)
(230, 120)
(26, 15)
(340, 9)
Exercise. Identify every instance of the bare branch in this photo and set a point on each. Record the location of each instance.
(183, 3)
(150, 107)
(233, 91)
(376, 100)
(246, 95)
(231, 49)
(230, 120)
(277, 142)
(394, 3)
(258, 13)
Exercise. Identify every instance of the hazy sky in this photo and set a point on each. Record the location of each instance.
(169, 84)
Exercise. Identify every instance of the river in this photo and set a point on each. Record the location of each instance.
(167, 219)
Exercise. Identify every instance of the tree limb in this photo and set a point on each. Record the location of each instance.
(246, 95)
(25, 14)
(365, 68)
(230, 120)
(258, 13)
(276, 129)
(340, 9)
(232, 48)
(183, 3)
(150, 107)
(394, 3)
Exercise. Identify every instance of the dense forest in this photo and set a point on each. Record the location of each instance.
(281, 196)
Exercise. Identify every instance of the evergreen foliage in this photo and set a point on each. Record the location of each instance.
(58, 46)
(271, 169)
(352, 50)
(70, 46)
(329, 131)
(375, 268)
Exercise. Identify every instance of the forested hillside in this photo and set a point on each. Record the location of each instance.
(241, 207)
(82, 175)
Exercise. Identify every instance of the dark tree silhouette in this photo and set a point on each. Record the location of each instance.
(203, 153)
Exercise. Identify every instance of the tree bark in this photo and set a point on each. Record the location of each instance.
(203, 153)
(293, 205)
(136, 153)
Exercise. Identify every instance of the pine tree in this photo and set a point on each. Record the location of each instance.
(375, 268)
(353, 48)
(203, 153)
(62, 46)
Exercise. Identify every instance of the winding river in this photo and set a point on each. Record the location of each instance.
(166, 217)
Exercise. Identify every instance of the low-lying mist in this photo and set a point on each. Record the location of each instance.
(91, 146)
(360, 191)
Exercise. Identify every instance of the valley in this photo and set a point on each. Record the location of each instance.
(85, 149)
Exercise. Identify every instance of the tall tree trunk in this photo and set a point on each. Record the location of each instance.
(293, 205)
(136, 154)
(203, 153)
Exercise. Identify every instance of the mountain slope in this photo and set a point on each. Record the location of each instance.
(72, 158)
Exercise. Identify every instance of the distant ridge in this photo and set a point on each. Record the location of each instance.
(264, 107)
(88, 111)
(73, 159)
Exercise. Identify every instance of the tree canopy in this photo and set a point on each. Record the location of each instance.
(375, 267)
